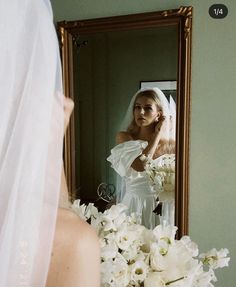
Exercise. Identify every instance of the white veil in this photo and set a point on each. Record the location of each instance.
(129, 113)
(31, 138)
(172, 106)
(120, 185)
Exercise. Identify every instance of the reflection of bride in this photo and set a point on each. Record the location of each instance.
(145, 131)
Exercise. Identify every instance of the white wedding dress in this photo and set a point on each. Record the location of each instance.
(139, 197)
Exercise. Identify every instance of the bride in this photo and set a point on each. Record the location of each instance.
(34, 232)
(145, 132)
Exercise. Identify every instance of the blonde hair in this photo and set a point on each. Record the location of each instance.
(150, 94)
(165, 145)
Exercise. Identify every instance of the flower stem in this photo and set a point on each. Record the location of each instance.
(173, 281)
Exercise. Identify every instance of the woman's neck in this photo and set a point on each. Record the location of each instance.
(145, 133)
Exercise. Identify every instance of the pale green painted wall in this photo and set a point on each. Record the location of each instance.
(212, 211)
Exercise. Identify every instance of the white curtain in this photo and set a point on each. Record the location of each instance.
(31, 135)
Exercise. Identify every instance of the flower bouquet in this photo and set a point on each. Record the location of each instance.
(161, 175)
(132, 255)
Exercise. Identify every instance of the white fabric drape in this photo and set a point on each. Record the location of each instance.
(172, 105)
(130, 151)
(31, 138)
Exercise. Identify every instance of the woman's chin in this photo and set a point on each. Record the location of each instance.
(142, 122)
(144, 125)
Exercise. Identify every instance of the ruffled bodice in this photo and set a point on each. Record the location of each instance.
(122, 157)
(139, 196)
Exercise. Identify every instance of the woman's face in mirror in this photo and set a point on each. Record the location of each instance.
(146, 112)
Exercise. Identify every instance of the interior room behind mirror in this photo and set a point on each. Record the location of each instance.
(108, 68)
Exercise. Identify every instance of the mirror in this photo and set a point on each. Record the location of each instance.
(105, 61)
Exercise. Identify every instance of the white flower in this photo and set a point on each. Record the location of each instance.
(154, 279)
(161, 174)
(174, 261)
(106, 277)
(84, 211)
(134, 218)
(125, 237)
(179, 263)
(113, 218)
(120, 271)
(148, 238)
(80, 210)
(190, 245)
(158, 256)
(166, 233)
(115, 211)
(138, 271)
(134, 256)
(203, 278)
(108, 250)
(216, 259)
(115, 272)
(131, 253)
(91, 211)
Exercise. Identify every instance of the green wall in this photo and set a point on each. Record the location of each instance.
(212, 210)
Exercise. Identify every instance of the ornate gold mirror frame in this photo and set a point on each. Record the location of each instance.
(180, 18)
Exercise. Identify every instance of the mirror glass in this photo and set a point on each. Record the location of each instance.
(105, 62)
(108, 70)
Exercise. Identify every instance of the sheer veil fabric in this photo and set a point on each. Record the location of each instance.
(129, 113)
(31, 139)
(172, 105)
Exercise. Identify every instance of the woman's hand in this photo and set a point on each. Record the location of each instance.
(161, 124)
(68, 106)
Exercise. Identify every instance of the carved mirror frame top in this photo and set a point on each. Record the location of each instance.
(182, 19)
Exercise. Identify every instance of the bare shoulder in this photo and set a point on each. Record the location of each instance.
(123, 137)
(75, 241)
(81, 230)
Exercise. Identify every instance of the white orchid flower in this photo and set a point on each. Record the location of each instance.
(190, 245)
(107, 277)
(80, 210)
(216, 259)
(166, 233)
(158, 254)
(134, 256)
(115, 211)
(204, 278)
(121, 272)
(91, 211)
(109, 251)
(125, 238)
(139, 271)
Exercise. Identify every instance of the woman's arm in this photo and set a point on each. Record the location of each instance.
(138, 164)
(152, 146)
